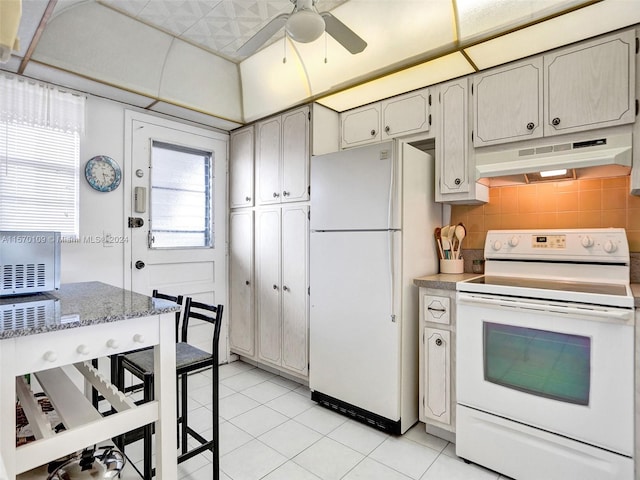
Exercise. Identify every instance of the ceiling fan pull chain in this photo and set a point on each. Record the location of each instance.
(325, 47)
(284, 58)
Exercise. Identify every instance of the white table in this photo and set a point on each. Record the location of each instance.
(47, 335)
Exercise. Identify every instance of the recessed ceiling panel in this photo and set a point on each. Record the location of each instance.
(584, 23)
(484, 18)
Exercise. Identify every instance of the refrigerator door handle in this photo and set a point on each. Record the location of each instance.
(392, 188)
(391, 276)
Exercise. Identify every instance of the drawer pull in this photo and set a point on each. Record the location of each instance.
(436, 309)
(113, 343)
(83, 350)
(138, 338)
(50, 356)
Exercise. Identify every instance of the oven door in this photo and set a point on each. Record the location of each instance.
(562, 367)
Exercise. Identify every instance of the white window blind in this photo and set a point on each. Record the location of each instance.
(40, 129)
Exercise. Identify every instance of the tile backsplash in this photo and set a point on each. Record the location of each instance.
(588, 203)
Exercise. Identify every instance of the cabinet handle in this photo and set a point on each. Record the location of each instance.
(247, 199)
(50, 356)
(246, 282)
(113, 343)
(555, 121)
(530, 126)
(373, 133)
(276, 194)
(275, 287)
(439, 342)
(285, 193)
(285, 288)
(138, 338)
(387, 129)
(457, 181)
(436, 309)
(83, 350)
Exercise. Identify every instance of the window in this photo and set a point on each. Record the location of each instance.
(40, 130)
(180, 200)
(549, 364)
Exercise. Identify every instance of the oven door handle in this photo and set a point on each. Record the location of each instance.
(602, 313)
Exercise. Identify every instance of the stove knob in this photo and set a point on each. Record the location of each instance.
(587, 241)
(497, 245)
(609, 246)
(514, 241)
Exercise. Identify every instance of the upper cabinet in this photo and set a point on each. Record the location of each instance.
(360, 126)
(589, 86)
(282, 158)
(241, 168)
(401, 115)
(507, 103)
(455, 168)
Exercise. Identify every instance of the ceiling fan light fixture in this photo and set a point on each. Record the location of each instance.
(305, 26)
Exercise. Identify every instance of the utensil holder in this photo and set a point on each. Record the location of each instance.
(451, 265)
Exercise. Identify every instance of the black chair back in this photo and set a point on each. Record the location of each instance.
(171, 298)
(205, 312)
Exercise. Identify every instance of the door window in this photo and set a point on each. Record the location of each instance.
(549, 364)
(181, 205)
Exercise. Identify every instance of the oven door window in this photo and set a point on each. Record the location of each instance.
(549, 364)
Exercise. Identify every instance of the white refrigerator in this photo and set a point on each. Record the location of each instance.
(372, 221)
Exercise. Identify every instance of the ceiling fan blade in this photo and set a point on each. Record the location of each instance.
(343, 34)
(264, 34)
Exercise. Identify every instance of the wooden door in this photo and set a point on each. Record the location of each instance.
(360, 126)
(406, 114)
(295, 156)
(241, 292)
(437, 368)
(295, 298)
(591, 85)
(452, 146)
(268, 151)
(178, 173)
(269, 285)
(241, 168)
(507, 104)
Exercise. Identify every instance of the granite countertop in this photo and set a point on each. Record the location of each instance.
(443, 281)
(446, 281)
(75, 305)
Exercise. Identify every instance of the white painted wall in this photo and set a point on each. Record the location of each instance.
(100, 213)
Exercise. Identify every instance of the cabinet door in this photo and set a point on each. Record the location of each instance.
(295, 304)
(507, 104)
(591, 85)
(452, 148)
(241, 168)
(406, 114)
(295, 155)
(268, 284)
(360, 126)
(268, 151)
(437, 370)
(241, 318)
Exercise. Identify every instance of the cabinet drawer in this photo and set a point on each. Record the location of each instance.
(64, 347)
(437, 309)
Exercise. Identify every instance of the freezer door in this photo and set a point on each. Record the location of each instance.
(356, 189)
(354, 341)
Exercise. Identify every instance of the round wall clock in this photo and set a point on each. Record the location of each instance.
(103, 173)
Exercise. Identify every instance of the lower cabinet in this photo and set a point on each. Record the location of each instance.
(282, 300)
(437, 354)
(241, 312)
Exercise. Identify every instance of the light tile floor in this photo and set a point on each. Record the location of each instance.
(270, 429)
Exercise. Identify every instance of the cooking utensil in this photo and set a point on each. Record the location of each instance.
(437, 234)
(446, 244)
(460, 233)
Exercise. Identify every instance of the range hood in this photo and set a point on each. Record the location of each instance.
(599, 155)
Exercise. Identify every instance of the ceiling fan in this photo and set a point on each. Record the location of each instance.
(304, 24)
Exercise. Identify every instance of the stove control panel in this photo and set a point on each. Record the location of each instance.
(576, 245)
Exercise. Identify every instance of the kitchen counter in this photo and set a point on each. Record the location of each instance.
(443, 281)
(54, 336)
(447, 281)
(76, 305)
